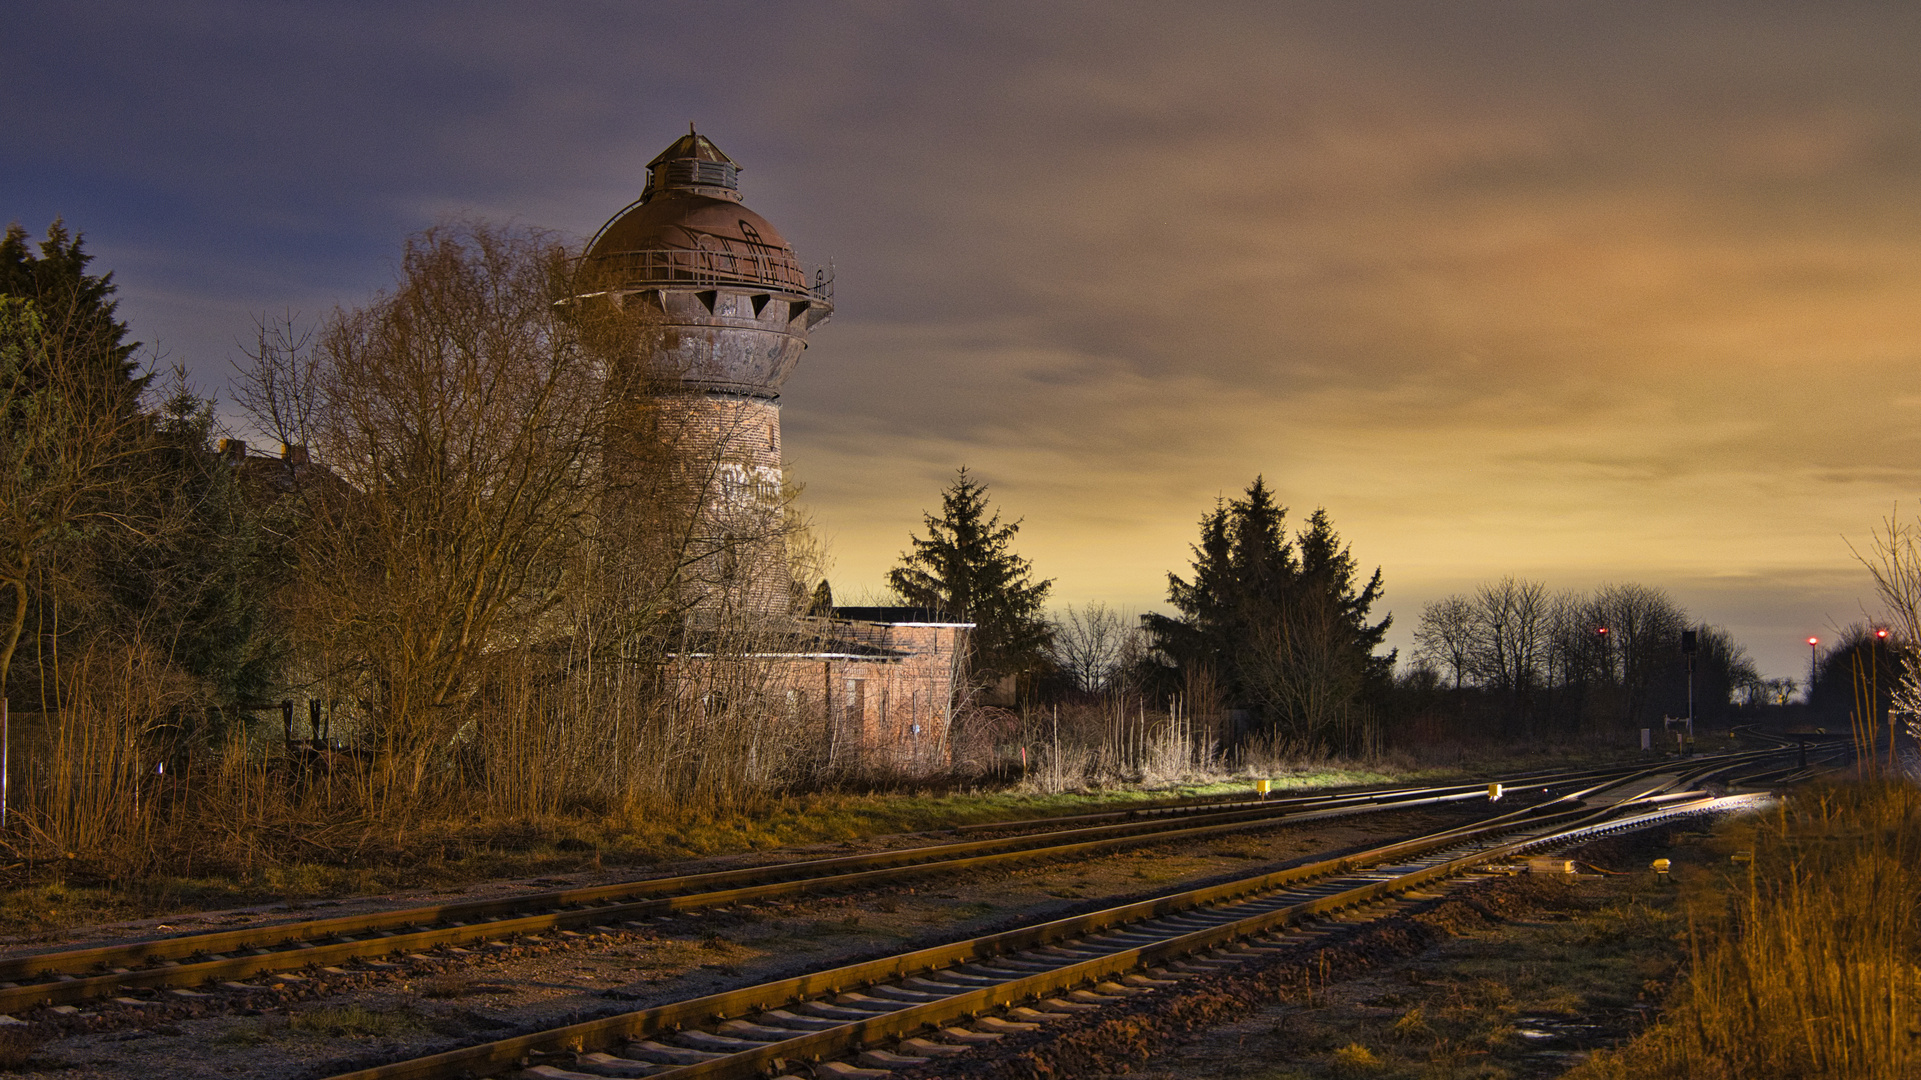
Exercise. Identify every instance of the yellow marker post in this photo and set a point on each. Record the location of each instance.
(1262, 787)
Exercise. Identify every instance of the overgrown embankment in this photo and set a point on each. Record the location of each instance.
(1806, 949)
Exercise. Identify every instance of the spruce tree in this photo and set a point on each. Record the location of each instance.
(77, 309)
(1254, 598)
(967, 571)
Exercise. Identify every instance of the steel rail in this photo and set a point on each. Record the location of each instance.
(901, 1018)
(190, 960)
(600, 898)
(308, 954)
(834, 1042)
(295, 945)
(1168, 809)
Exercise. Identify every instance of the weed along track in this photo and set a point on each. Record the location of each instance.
(955, 999)
(214, 962)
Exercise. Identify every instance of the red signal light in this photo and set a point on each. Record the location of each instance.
(1814, 641)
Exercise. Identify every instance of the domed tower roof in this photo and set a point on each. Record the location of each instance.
(689, 228)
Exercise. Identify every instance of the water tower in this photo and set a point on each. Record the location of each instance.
(727, 309)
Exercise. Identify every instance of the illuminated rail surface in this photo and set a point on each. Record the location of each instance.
(939, 1001)
(191, 960)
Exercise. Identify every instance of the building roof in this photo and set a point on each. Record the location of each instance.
(692, 146)
(896, 616)
(807, 639)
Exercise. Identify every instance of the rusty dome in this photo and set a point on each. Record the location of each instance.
(732, 306)
(690, 226)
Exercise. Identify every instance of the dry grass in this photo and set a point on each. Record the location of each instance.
(102, 832)
(356, 1021)
(1804, 954)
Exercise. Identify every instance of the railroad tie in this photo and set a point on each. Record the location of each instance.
(838, 1012)
(882, 1059)
(857, 1000)
(925, 1048)
(1024, 1014)
(1199, 966)
(995, 971)
(997, 1025)
(811, 1023)
(648, 1050)
(850, 1072)
(901, 993)
(972, 1038)
(702, 1040)
(551, 1072)
(609, 1065)
(1018, 965)
(942, 989)
(741, 1029)
(1128, 939)
(955, 974)
(1076, 948)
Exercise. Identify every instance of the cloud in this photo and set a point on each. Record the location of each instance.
(1622, 291)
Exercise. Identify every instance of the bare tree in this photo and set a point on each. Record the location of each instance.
(1307, 673)
(456, 417)
(1894, 561)
(1445, 636)
(1511, 627)
(1642, 642)
(1090, 644)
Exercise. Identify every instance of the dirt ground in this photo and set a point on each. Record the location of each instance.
(1500, 979)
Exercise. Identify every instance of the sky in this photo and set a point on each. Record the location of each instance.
(1578, 292)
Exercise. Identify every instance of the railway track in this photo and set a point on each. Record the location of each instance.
(192, 960)
(940, 1001)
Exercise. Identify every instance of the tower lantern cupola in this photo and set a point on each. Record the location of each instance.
(694, 163)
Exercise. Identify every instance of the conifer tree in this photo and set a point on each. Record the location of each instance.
(76, 309)
(1279, 624)
(966, 569)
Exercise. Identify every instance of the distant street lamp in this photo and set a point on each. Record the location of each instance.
(1814, 664)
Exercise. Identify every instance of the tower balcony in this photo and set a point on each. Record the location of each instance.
(762, 266)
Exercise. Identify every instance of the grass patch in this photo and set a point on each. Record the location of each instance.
(356, 1021)
(247, 1033)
